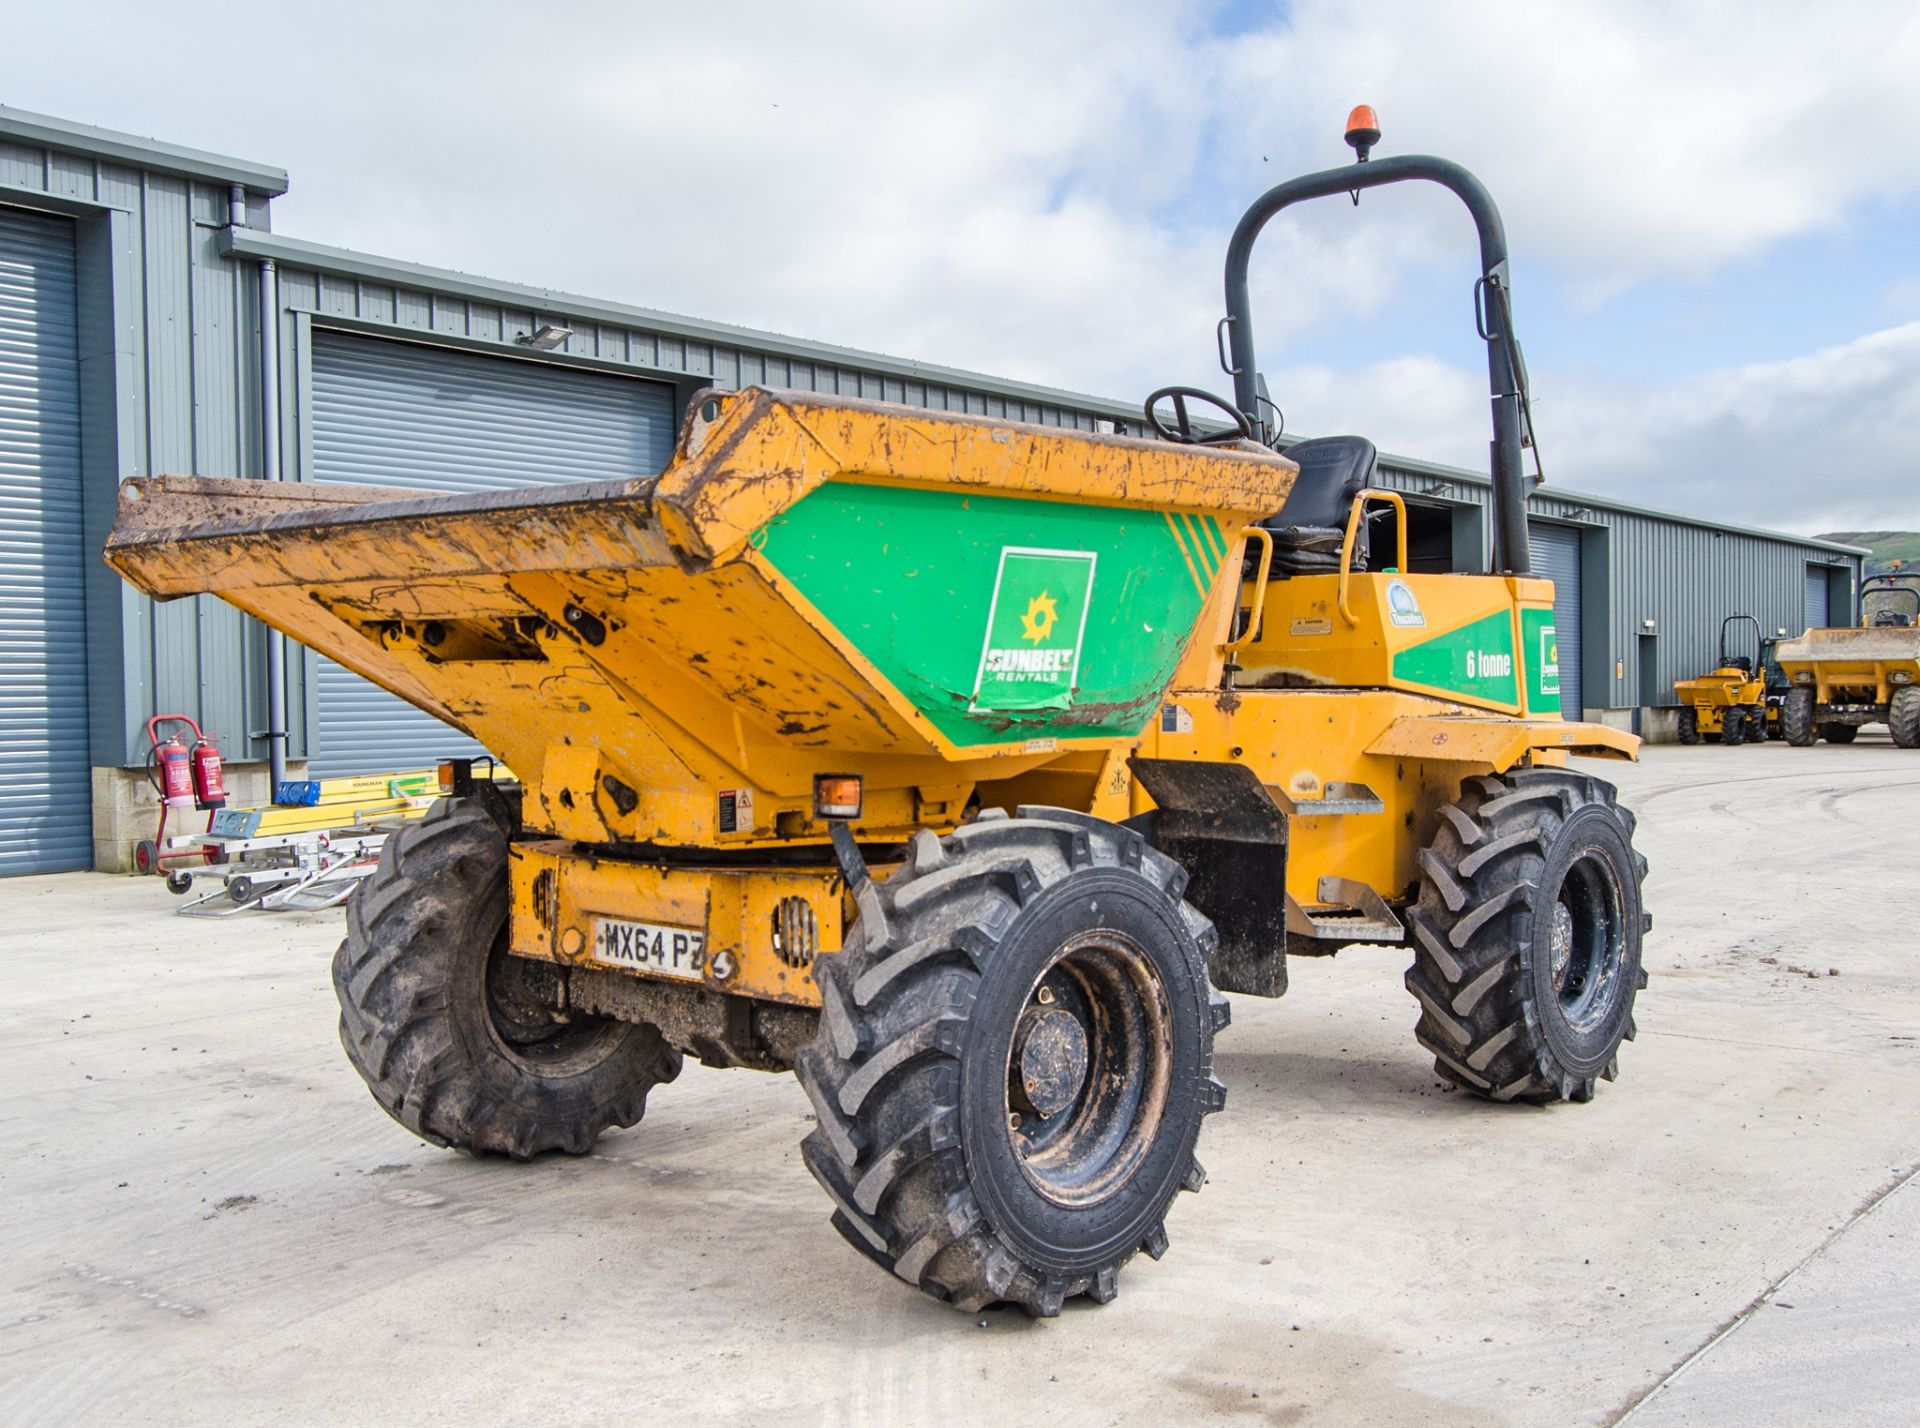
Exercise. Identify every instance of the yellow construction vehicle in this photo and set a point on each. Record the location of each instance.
(1840, 679)
(958, 765)
(1730, 702)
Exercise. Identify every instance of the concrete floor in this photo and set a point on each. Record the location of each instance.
(203, 1218)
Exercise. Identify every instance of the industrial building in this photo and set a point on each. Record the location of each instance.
(151, 322)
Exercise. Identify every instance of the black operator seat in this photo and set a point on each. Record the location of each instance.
(1308, 530)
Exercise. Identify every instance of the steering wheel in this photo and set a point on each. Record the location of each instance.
(1182, 432)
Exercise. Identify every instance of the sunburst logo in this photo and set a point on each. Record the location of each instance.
(1035, 620)
(1042, 615)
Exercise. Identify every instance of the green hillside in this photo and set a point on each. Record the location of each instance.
(1887, 547)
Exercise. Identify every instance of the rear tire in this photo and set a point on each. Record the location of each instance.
(1687, 726)
(1796, 716)
(1014, 1059)
(438, 1019)
(1526, 936)
(1903, 716)
(1839, 733)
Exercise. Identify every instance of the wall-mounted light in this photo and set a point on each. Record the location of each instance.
(1437, 488)
(1646, 624)
(545, 337)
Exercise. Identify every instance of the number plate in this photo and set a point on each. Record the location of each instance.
(651, 947)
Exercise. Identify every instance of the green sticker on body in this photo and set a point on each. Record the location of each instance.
(1035, 624)
(986, 613)
(1543, 644)
(1474, 662)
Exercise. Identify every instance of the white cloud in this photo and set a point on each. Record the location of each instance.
(1010, 186)
(1827, 441)
(1624, 138)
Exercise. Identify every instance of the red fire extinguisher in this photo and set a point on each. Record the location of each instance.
(175, 767)
(208, 790)
(185, 776)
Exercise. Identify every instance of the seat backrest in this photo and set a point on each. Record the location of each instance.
(1308, 529)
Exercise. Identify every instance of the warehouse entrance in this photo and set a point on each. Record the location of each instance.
(46, 821)
(433, 419)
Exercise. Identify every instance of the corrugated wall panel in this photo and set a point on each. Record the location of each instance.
(45, 784)
(433, 419)
(1818, 607)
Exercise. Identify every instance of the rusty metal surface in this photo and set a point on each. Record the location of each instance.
(719, 1028)
(1497, 743)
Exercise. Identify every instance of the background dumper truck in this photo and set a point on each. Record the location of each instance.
(959, 766)
(1841, 679)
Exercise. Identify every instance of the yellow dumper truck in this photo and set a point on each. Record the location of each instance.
(959, 766)
(1841, 679)
(1729, 702)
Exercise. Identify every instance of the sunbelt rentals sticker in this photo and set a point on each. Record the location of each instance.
(1035, 625)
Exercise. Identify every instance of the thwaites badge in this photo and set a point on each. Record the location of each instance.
(736, 810)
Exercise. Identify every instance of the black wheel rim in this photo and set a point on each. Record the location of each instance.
(1088, 1069)
(527, 1026)
(1587, 937)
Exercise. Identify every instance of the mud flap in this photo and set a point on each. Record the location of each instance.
(1218, 822)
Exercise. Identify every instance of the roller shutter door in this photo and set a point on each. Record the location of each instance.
(46, 815)
(432, 419)
(1817, 588)
(1556, 555)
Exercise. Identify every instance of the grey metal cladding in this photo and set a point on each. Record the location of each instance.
(358, 287)
(76, 145)
(45, 779)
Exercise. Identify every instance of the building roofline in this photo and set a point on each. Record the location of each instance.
(49, 132)
(257, 243)
(1417, 467)
(344, 262)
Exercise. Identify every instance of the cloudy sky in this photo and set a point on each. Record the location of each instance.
(1714, 207)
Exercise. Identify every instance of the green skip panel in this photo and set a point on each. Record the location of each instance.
(1474, 662)
(999, 619)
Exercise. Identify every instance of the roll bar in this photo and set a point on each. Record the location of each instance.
(1505, 370)
(1759, 639)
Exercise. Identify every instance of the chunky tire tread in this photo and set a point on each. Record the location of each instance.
(1903, 716)
(887, 1145)
(1470, 925)
(1796, 716)
(409, 970)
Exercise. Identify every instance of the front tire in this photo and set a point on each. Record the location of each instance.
(1903, 716)
(442, 1023)
(1839, 733)
(1687, 726)
(1796, 716)
(1527, 934)
(1014, 1059)
(1733, 726)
